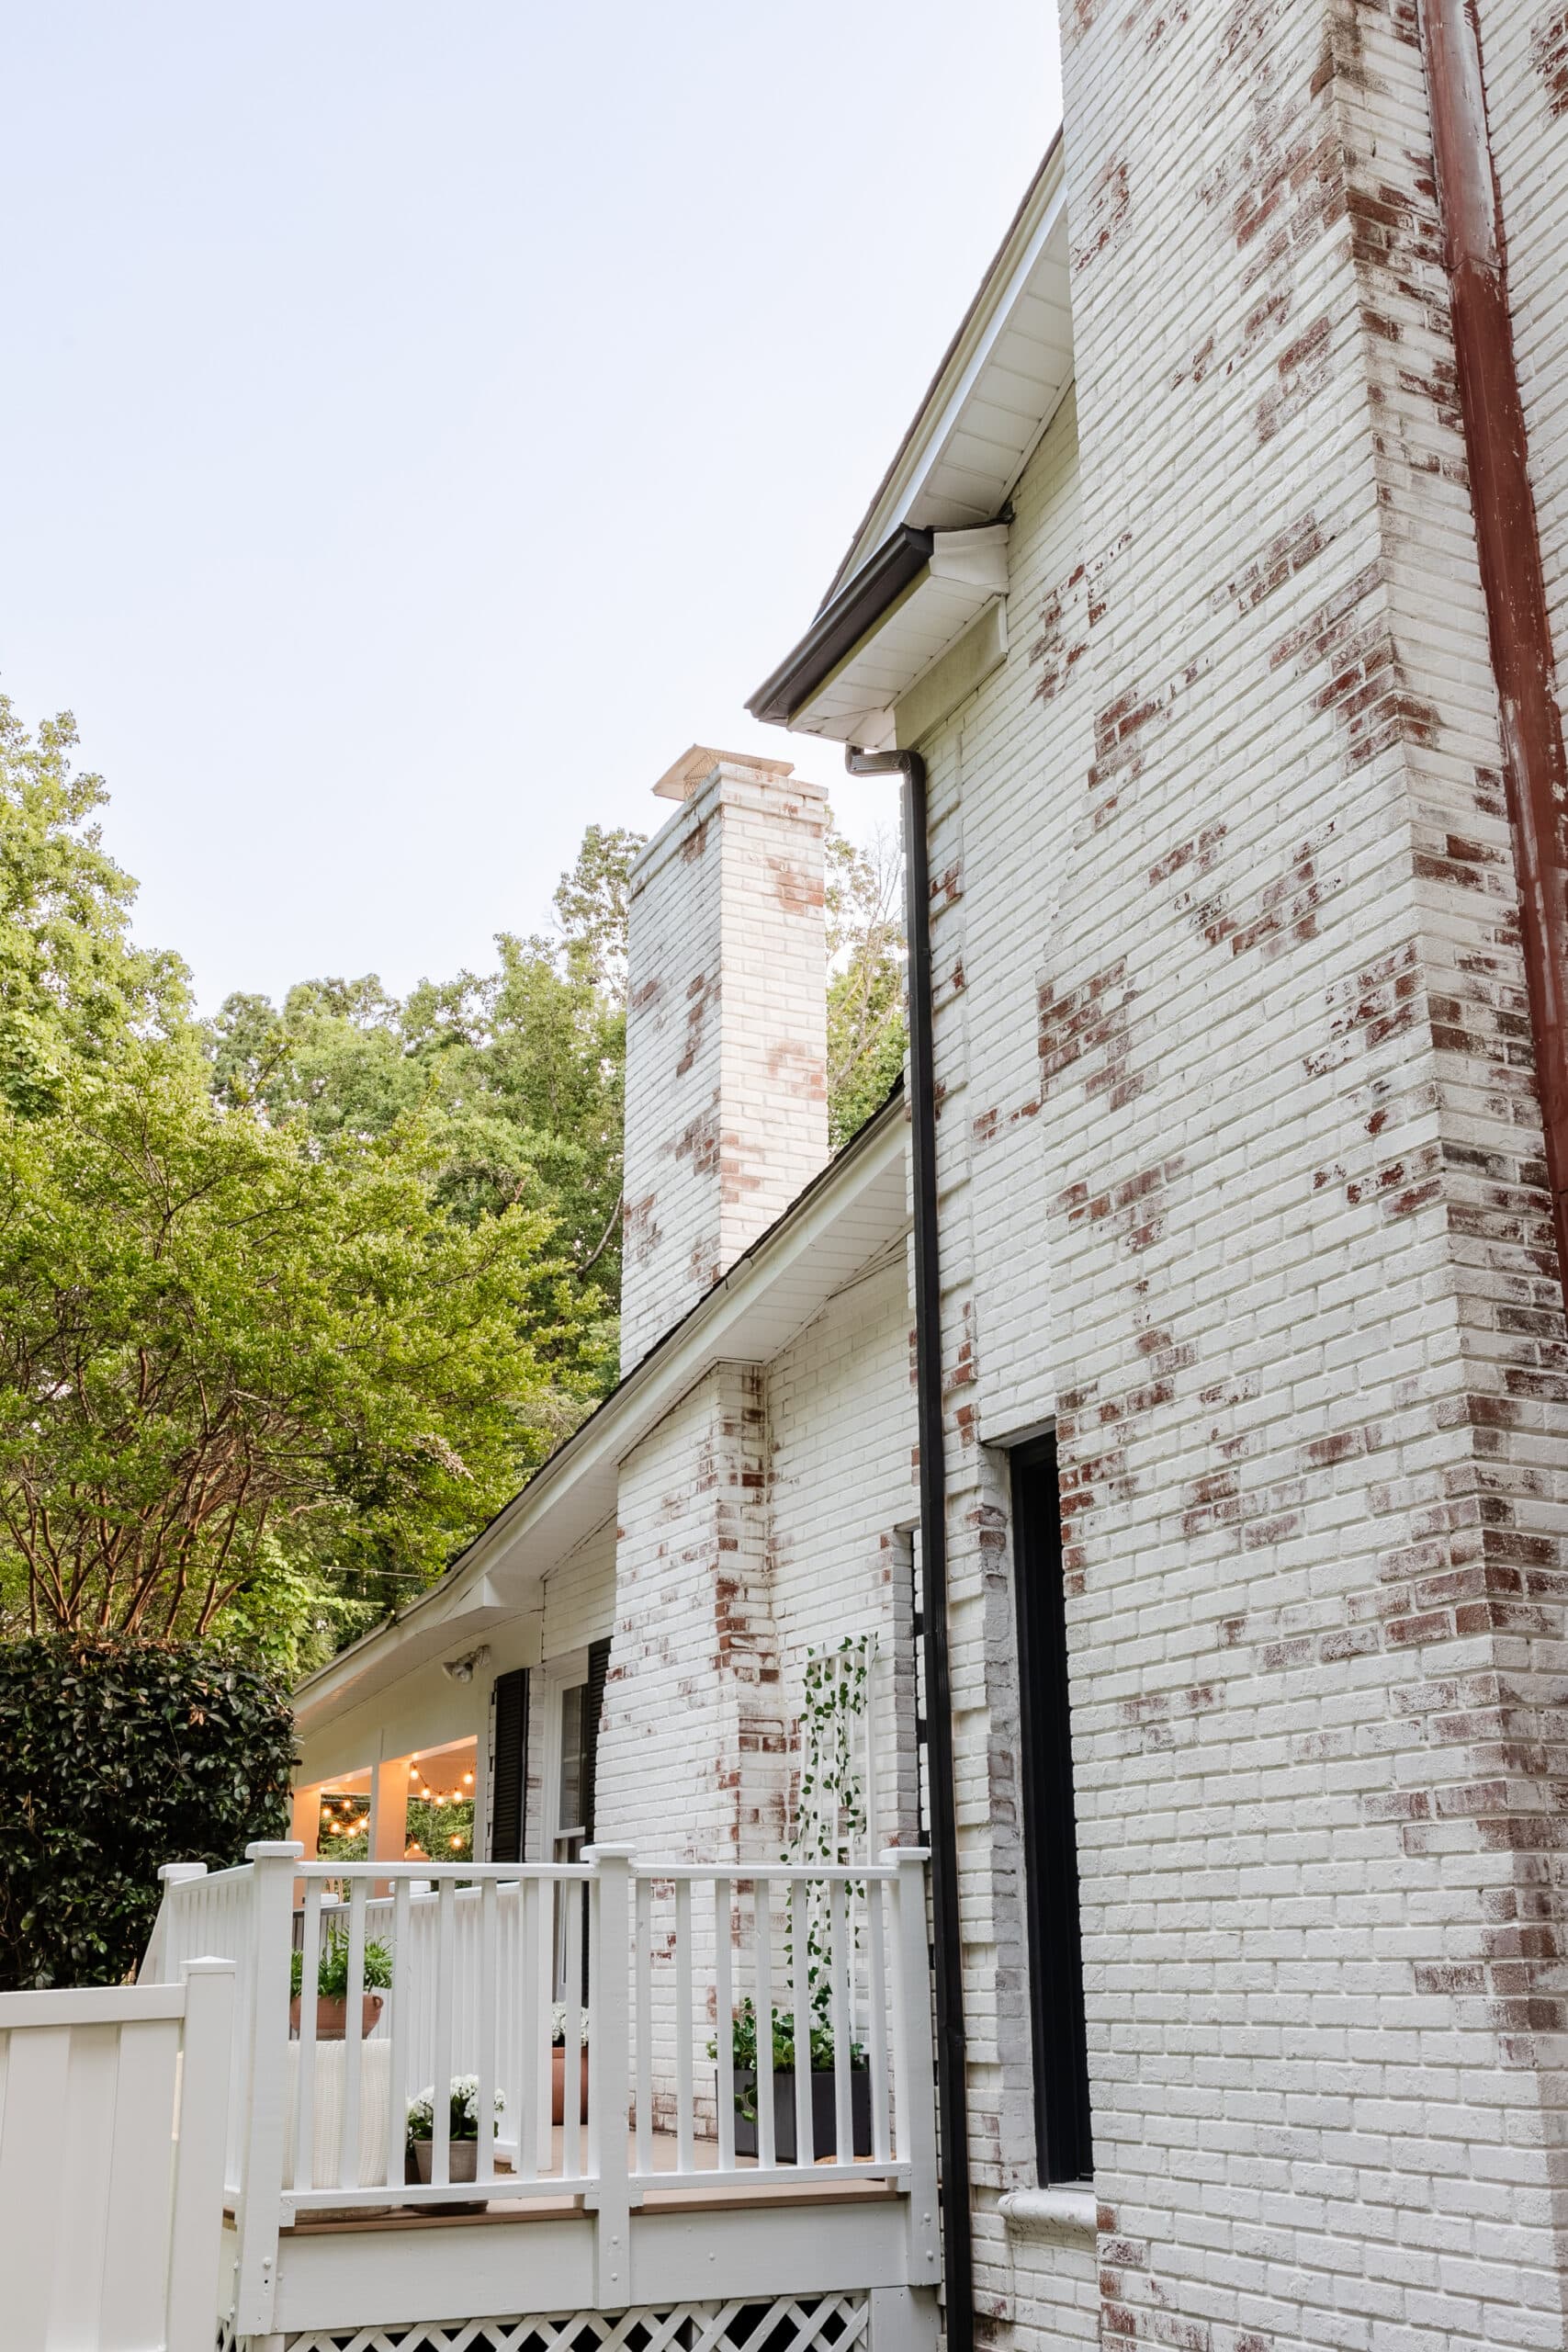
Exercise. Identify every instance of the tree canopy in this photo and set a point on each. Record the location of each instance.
(297, 1298)
(72, 986)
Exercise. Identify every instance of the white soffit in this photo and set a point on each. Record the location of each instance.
(966, 572)
(996, 393)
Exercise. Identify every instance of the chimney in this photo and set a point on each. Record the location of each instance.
(727, 1028)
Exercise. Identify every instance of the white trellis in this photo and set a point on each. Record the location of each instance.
(836, 1802)
(784, 2324)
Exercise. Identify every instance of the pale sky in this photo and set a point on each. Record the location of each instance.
(421, 423)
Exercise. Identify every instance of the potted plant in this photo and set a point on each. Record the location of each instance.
(823, 2084)
(331, 1988)
(557, 2063)
(463, 2145)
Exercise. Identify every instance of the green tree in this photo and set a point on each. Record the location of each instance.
(240, 1368)
(866, 1026)
(72, 986)
(518, 1074)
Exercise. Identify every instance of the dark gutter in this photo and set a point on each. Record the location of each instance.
(958, 2247)
(837, 630)
(1508, 542)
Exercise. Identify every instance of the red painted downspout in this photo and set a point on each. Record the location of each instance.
(1511, 575)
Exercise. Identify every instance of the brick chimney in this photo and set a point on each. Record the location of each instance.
(727, 1017)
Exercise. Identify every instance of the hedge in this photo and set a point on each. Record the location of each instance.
(116, 1757)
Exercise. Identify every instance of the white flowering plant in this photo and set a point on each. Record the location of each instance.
(558, 2026)
(465, 2099)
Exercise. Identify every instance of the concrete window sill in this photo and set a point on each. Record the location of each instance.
(1066, 2212)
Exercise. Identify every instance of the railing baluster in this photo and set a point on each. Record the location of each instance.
(839, 2009)
(800, 1930)
(912, 2038)
(571, 2054)
(762, 1950)
(876, 1981)
(397, 2056)
(441, 2097)
(683, 2025)
(354, 2035)
(540, 2053)
(724, 2015)
(608, 2071)
(305, 2062)
(484, 2167)
(642, 1961)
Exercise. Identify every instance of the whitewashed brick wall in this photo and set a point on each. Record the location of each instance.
(727, 1107)
(841, 1486)
(1305, 1332)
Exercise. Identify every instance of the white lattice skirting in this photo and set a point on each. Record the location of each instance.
(813, 2323)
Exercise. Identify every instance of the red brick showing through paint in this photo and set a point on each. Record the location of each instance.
(1548, 55)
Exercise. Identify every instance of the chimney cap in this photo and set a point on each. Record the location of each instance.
(696, 764)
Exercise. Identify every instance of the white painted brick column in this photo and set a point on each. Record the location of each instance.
(727, 1106)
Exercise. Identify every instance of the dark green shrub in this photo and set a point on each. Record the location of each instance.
(115, 1756)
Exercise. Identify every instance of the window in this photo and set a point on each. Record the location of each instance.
(1063, 2144)
(577, 1778)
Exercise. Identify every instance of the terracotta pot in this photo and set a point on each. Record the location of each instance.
(558, 2086)
(332, 2016)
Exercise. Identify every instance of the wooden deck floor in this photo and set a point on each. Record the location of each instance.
(815, 2185)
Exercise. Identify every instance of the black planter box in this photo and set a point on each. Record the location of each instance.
(824, 2112)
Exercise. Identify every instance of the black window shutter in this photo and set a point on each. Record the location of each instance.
(509, 1784)
(1049, 1837)
(592, 1710)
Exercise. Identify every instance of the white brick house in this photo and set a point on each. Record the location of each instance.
(1184, 587)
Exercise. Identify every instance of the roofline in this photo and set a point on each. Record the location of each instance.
(840, 626)
(948, 367)
(551, 1471)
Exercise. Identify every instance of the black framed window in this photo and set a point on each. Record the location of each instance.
(1063, 2142)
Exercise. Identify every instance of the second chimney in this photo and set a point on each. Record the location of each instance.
(727, 1029)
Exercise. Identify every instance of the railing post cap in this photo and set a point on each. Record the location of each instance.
(894, 1856)
(594, 1855)
(208, 1967)
(179, 1873)
(275, 1849)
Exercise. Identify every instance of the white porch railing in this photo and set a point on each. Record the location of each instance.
(479, 1953)
(112, 2133)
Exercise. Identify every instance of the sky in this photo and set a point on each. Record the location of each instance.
(422, 422)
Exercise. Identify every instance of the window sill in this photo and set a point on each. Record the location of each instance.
(1066, 2212)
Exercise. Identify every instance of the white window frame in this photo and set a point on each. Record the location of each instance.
(555, 1677)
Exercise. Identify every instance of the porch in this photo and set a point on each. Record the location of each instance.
(665, 2200)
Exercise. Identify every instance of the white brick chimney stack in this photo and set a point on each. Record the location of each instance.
(726, 1022)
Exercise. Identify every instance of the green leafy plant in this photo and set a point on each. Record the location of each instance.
(743, 2045)
(115, 1758)
(464, 2096)
(331, 1968)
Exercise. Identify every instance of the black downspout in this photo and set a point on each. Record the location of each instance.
(958, 2261)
